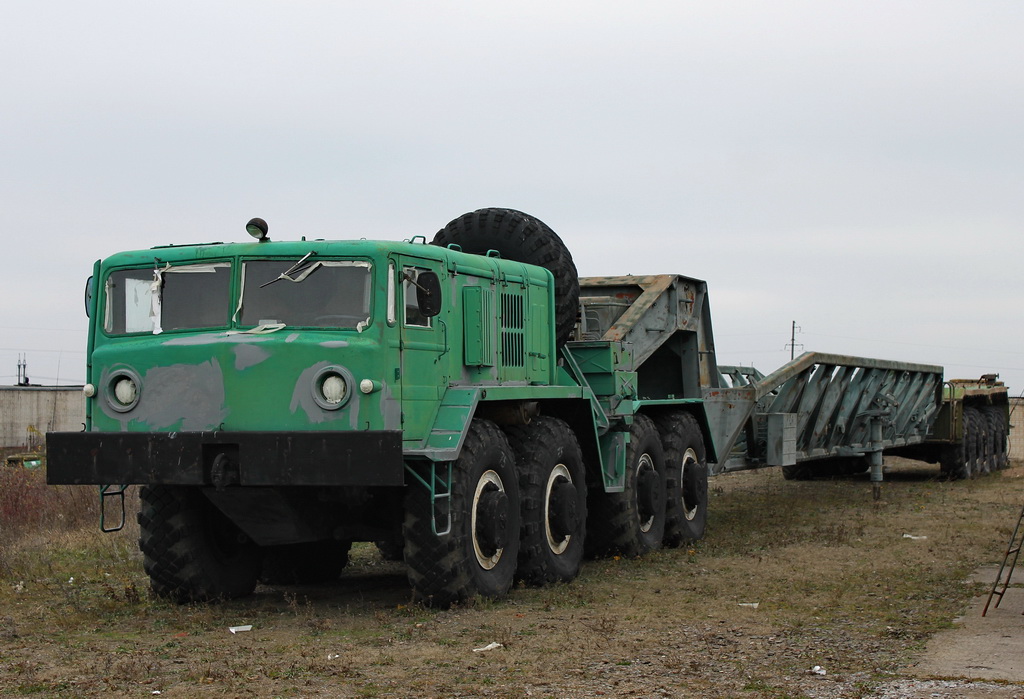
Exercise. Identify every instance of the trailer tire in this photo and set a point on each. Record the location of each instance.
(632, 522)
(987, 441)
(799, 471)
(192, 552)
(477, 556)
(975, 438)
(960, 460)
(311, 562)
(956, 459)
(997, 428)
(521, 237)
(553, 496)
(686, 480)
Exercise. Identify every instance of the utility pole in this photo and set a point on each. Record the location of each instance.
(792, 340)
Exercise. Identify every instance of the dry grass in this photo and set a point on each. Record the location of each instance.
(836, 584)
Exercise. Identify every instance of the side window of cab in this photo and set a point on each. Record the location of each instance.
(421, 293)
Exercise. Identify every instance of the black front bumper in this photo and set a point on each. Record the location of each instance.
(225, 458)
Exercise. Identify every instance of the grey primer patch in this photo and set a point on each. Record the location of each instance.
(334, 343)
(292, 338)
(302, 397)
(190, 393)
(392, 409)
(216, 339)
(249, 355)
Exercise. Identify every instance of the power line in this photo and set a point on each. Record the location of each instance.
(66, 330)
(882, 340)
(23, 349)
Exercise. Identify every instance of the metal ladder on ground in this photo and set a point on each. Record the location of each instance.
(1009, 562)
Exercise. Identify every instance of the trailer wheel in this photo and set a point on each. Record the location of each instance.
(521, 237)
(978, 450)
(632, 522)
(310, 562)
(686, 481)
(986, 440)
(997, 428)
(799, 471)
(553, 492)
(192, 552)
(960, 460)
(477, 557)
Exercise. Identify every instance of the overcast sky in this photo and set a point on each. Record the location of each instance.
(856, 167)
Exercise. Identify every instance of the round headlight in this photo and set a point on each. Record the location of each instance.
(332, 387)
(123, 390)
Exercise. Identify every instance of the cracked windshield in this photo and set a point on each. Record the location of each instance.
(306, 292)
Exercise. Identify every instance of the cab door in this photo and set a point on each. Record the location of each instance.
(423, 346)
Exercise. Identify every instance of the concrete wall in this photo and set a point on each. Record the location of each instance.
(29, 412)
(1017, 428)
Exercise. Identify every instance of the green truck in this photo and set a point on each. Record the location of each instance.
(469, 404)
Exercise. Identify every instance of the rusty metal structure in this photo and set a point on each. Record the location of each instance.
(820, 414)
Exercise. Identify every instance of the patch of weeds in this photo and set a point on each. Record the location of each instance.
(604, 626)
(757, 685)
(566, 596)
(384, 659)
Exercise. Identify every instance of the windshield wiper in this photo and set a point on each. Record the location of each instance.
(297, 267)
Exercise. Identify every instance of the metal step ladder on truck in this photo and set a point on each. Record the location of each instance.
(469, 405)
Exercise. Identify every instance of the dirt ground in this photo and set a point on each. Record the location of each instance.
(800, 589)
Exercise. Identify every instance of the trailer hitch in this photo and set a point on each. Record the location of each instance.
(223, 472)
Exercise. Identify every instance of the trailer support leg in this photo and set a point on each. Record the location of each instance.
(875, 458)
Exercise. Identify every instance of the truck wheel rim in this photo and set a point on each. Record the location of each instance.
(647, 492)
(688, 485)
(489, 519)
(559, 509)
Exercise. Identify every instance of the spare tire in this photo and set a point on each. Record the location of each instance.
(523, 238)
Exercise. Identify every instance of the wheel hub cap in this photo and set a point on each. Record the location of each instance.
(648, 492)
(562, 515)
(492, 521)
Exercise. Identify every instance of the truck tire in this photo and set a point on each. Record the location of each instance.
(553, 495)
(311, 562)
(799, 471)
(521, 237)
(997, 428)
(960, 461)
(832, 467)
(686, 480)
(192, 552)
(978, 436)
(477, 557)
(632, 523)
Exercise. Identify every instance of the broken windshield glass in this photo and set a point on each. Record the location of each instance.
(320, 294)
(167, 298)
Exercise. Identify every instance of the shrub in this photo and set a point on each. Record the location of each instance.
(28, 504)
